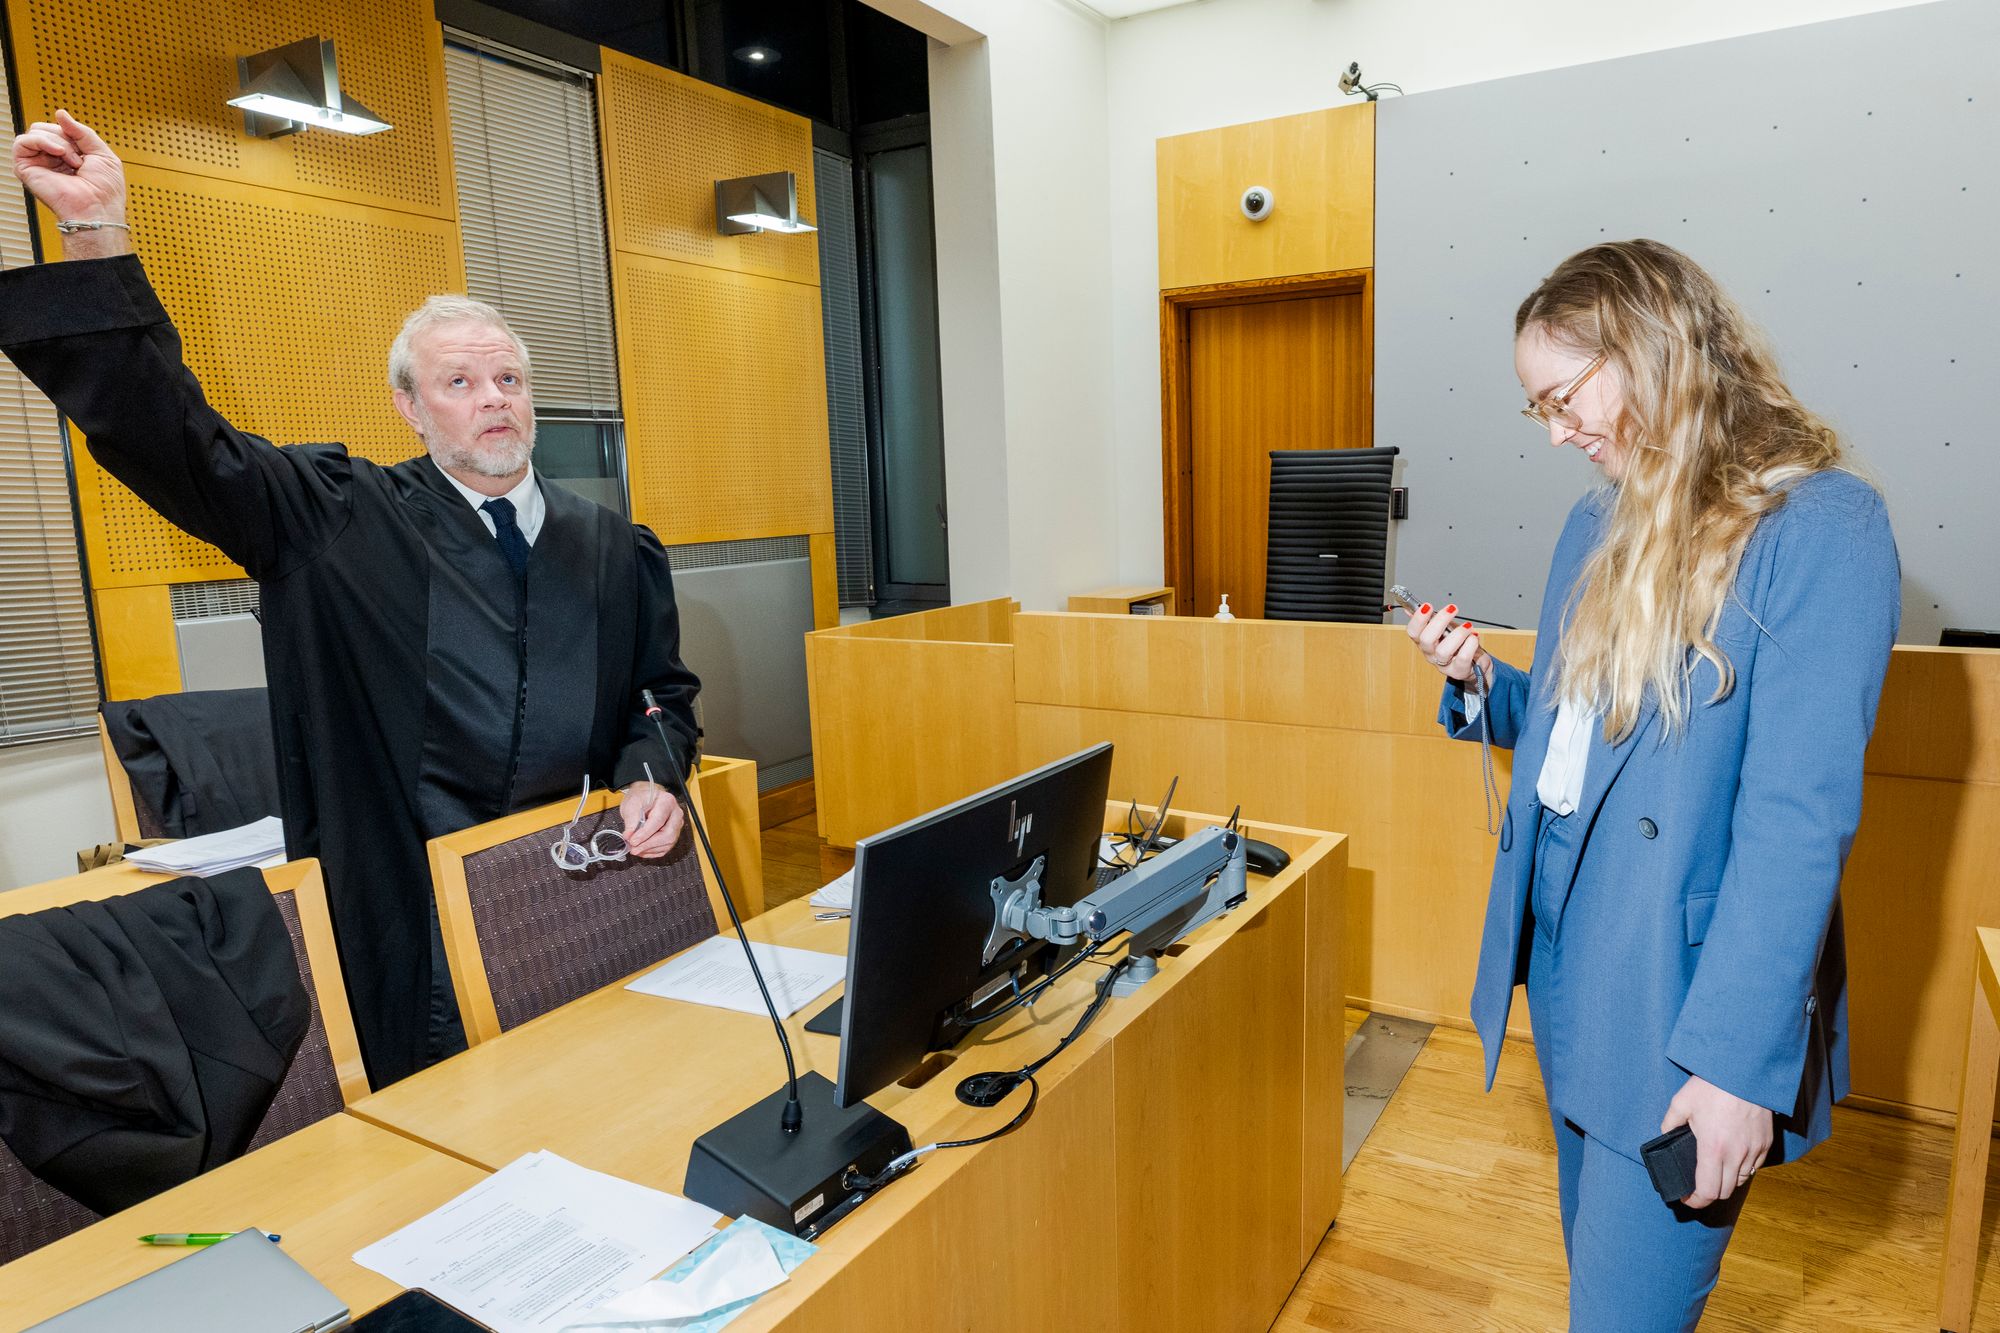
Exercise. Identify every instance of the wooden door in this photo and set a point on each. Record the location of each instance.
(1263, 375)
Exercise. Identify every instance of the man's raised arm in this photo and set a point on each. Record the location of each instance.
(95, 339)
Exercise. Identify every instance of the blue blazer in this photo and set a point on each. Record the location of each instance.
(1702, 933)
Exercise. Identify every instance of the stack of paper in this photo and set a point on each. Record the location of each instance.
(837, 896)
(213, 853)
(715, 973)
(539, 1242)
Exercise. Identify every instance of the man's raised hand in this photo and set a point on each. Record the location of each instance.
(78, 178)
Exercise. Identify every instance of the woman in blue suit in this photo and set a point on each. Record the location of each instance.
(1688, 755)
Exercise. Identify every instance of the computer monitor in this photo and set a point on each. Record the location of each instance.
(923, 909)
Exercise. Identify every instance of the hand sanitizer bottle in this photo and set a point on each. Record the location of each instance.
(1225, 613)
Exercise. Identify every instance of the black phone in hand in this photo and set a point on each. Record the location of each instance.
(1670, 1161)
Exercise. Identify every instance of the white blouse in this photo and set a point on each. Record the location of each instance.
(1560, 784)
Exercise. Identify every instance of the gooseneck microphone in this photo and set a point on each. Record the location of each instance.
(793, 1116)
(792, 1176)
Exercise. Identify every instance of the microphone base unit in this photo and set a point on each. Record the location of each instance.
(749, 1167)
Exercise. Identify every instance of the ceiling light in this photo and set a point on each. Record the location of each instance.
(757, 55)
(297, 87)
(759, 203)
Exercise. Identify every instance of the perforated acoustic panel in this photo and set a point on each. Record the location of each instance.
(668, 139)
(286, 307)
(1851, 217)
(725, 402)
(154, 79)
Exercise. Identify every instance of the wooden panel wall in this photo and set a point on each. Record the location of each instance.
(720, 347)
(1320, 167)
(287, 264)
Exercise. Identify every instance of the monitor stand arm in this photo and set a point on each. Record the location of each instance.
(1158, 901)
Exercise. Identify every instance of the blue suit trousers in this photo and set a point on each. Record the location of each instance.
(1636, 1264)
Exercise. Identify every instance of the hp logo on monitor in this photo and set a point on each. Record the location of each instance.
(1018, 828)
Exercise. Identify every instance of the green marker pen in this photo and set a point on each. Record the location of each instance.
(195, 1237)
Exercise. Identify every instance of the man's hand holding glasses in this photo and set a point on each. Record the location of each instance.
(653, 820)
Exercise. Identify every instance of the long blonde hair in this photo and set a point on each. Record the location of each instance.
(1711, 439)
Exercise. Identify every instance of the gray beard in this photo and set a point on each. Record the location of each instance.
(504, 461)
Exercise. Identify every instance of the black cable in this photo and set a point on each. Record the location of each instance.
(1030, 995)
(856, 1183)
(989, 1089)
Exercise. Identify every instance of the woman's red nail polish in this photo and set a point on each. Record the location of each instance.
(1468, 625)
(1451, 610)
(1424, 610)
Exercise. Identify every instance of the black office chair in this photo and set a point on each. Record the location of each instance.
(1328, 552)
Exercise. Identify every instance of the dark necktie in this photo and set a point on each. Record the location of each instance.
(508, 533)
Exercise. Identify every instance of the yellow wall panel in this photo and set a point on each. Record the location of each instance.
(141, 656)
(724, 379)
(825, 580)
(286, 306)
(154, 79)
(1320, 168)
(667, 140)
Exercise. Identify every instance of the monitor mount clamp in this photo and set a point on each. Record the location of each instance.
(1158, 901)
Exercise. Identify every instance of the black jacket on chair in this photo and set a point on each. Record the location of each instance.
(201, 762)
(142, 1038)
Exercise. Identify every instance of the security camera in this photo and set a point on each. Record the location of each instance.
(1350, 81)
(1258, 203)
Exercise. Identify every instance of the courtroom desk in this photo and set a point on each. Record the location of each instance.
(328, 1190)
(1180, 1168)
(1965, 1203)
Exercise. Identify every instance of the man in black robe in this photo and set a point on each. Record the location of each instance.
(432, 664)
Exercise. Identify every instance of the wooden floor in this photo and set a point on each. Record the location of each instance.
(1448, 1220)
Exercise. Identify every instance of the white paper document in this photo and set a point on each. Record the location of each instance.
(213, 853)
(838, 895)
(540, 1241)
(715, 973)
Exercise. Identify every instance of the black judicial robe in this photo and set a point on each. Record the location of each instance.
(415, 687)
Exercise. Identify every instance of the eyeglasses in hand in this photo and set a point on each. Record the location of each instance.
(607, 844)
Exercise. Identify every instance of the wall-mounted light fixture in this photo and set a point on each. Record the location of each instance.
(297, 87)
(759, 203)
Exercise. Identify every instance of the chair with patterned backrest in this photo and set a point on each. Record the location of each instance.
(325, 1076)
(524, 935)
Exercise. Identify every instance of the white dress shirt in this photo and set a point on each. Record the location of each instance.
(529, 506)
(1559, 787)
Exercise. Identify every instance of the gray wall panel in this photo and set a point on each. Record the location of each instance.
(1839, 179)
(743, 631)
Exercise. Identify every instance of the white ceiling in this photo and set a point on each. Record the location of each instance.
(1118, 9)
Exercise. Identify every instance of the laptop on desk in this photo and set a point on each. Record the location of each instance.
(245, 1283)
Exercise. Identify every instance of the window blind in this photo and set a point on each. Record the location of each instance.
(531, 209)
(48, 673)
(847, 427)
